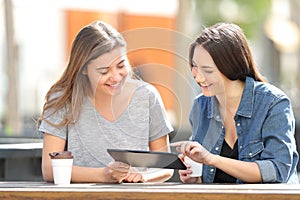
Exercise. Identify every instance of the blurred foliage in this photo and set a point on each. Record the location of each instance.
(250, 15)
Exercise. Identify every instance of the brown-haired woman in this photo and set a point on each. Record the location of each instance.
(242, 127)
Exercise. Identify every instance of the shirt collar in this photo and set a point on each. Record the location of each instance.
(213, 110)
(246, 105)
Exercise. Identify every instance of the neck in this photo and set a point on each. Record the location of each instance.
(230, 99)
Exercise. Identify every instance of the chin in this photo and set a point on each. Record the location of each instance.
(207, 94)
(116, 92)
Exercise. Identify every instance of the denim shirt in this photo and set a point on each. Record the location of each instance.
(265, 126)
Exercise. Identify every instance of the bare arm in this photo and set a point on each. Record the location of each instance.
(245, 171)
(114, 172)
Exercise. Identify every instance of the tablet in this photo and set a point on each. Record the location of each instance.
(148, 159)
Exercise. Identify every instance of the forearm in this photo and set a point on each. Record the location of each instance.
(245, 171)
(79, 174)
(88, 175)
(157, 175)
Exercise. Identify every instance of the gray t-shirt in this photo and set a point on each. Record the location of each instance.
(143, 120)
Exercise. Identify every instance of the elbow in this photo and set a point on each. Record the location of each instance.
(47, 177)
(47, 174)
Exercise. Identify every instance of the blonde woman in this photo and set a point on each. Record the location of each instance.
(95, 105)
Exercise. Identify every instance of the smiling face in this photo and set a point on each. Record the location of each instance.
(206, 73)
(108, 72)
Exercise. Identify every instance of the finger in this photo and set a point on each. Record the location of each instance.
(199, 149)
(184, 172)
(133, 178)
(176, 144)
(186, 148)
(181, 157)
(192, 148)
(127, 180)
(182, 148)
(121, 177)
(196, 151)
(137, 179)
(130, 176)
(178, 149)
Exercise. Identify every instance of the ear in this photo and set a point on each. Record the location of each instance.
(84, 72)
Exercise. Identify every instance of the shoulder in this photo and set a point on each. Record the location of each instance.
(269, 96)
(269, 90)
(55, 95)
(146, 89)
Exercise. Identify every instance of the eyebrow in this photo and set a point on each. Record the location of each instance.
(108, 66)
(204, 66)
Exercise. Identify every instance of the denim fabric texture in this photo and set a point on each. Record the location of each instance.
(265, 126)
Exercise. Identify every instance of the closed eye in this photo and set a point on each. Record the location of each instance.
(103, 71)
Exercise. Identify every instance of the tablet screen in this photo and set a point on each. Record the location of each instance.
(148, 159)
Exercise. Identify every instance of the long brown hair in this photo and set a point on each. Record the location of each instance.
(227, 45)
(92, 41)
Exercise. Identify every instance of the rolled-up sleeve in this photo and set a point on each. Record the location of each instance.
(267, 170)
(279, 157)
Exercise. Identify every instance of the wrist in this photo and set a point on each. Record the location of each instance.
(212, 160)
(104, 176)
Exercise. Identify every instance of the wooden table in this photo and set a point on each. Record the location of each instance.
(168, 190)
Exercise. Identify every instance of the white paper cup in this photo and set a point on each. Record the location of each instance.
(196, 167)
(62, 170)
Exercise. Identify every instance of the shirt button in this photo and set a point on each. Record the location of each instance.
(238, 124)
(241, 146)
(211, 170)
(217, 148)
(250, 154)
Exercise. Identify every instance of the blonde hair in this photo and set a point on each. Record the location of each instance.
(91, 42)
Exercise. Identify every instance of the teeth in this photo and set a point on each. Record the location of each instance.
(114, 85)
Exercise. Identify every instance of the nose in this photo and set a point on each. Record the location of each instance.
(116, 74)
(194, 71)
(198, 76)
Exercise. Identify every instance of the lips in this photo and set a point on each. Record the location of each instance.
(116, 85)
(205, 85)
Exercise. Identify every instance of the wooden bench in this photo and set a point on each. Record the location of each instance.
(21, 161)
